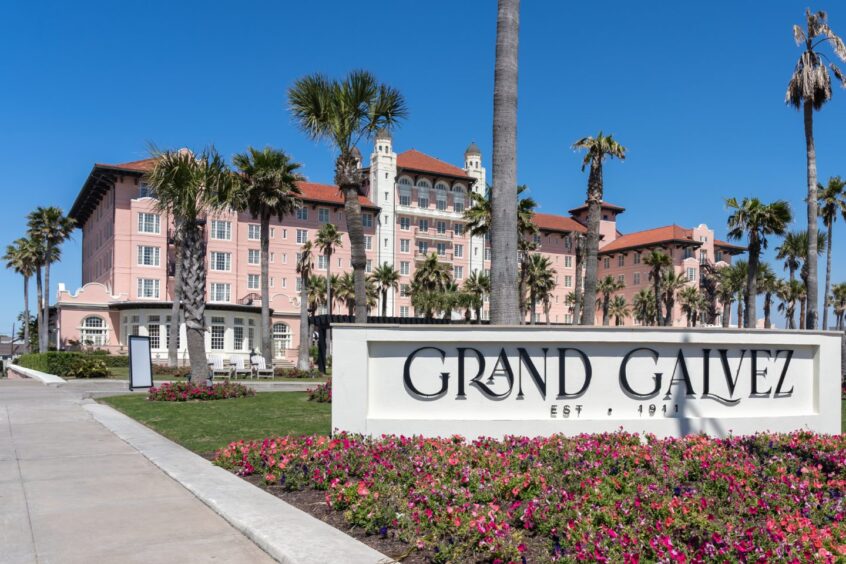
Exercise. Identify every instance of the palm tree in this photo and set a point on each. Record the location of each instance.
(270, 190)
(387, 278)
(477, 286)
(344, 290)
(343, 113)
(838, 301)
(768, 284)
(789, 292)
(643, 307)
(756, 220)
(430, 280)
(725, 292)
(505, 295)
(540, 280)
(832, 200)
(21, 257)
(189, 187)
(794, 249)
(328, 239)
(304, 267)
(740, 274)
(657, 261)
(810, 88)
(316, 292)
(690, 300)
(671, 283)
(606, 287)
(49, 226)
(597, 150)
(578, 260)
(619, 310)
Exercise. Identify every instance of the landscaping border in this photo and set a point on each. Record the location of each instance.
(286, 533)
(42, 377)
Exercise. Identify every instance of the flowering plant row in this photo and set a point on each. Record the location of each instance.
(185, 391)
(322, 393)
(606, 497)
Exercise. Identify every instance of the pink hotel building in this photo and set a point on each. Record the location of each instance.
(414, 206)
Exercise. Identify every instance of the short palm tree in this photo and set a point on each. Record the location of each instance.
(789, 292)
(304, 269)
(832, 202)
(430, 280)
(344, 112)
(52, 228)
(657, 261)
(316, 293)
(791, 251)
(190, 187)
(691, 301)
(725, 293)
(671, 283)
(344, 291)
(768, 284)
(838, 302)
(270, 190)
(21, 257)
(606, 287)
(740, 274)
(756, 220)
(643, 307)
(386, 278)
(619, 310)
(597, 149)
(810, 88)
(540, 280)
(328, 239)
(477, 286)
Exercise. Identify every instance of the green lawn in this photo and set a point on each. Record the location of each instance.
(122, 373)
(209, 425)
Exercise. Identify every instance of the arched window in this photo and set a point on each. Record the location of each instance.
(281, 339)
(423, 184)
(441, 186)
(94, 331)
(405, 181)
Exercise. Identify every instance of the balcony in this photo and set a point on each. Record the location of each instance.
(420, 256)
(433, 234)
(250, 299)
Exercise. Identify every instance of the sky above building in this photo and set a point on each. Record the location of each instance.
(696, 94)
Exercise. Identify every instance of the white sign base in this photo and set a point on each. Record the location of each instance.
(497, 381)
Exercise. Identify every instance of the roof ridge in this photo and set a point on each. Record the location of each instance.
(429, 156)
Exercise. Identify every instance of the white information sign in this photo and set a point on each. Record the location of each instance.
(496, 381)
(140, 363)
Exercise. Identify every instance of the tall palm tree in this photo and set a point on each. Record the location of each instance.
(540, 279)
(51, 227)
(21, 257)
(578, 260)
(789, 292)
(386, 278)
(690, 300)
(657, 261)
(190, 187)
(344, 112)
(596, 151)
(304, 269)
(478, 214)
(270, 190)
(796, 244)
(838, 302)
(619, 310)
(328, 239)
(756, 220)
(643, 307)
(477, 286)
(832, 201)
(768, 284)
(505, 295)
(671, 283)
(810, 88)
(606, 287)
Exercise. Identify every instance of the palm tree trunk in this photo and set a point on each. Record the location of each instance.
(656, 282)
(26, 314)
(194, 299)
(384, 302)
(175, 308)
(577, 291)
(605, 319)
(668, 315)
(39, 294)
(726, 315)
(802, 309)
(505, 297)
(811, 260)
(767, 305)
(592, 241)
(751, 314)
(352, 208)
(266, 336)
(44, 346)
(533, 305)
(304, 356)
(827, 276)
(740, 313)
(328, 255)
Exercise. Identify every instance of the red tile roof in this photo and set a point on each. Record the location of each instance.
(143, 165)
(605, 206)
(330, 194)
(415, 160)
(551, 222)
(651, 237)
(734, 249)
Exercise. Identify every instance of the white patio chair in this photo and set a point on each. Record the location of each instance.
(260, 367)
(217, 367)
(240, 367)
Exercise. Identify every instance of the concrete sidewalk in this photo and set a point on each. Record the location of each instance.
(72, 491)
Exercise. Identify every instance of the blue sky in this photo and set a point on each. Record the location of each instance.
(695, 93)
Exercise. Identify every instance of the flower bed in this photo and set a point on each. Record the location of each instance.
(185, 391)
(608, 498)
(322, 393)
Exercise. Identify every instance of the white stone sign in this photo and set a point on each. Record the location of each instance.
(496, 381)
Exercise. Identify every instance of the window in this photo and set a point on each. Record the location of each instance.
(536, 239)
(487, 253)
(148, 223)
(441, 249)
(167, 336)
(253, 256)
(691, 274)
(422, 247)
(367, 220)
(299, 284)
(405, 199)
(423, 201)
(688, 252)
(154, 331)
(281, 339)
(368, 267)
(238, 334)
(220, 292)
(606, 263)
(403, 311)
(459, 251)
(368, 242)
(458, 228)
(568, 261)
(322, 262)
(148, 288)
(405, 223)
(423, 225)
(148, 256)
(404, 269)
(568, 280)
(441, 226)
(703, 256)
(323, 215)
(221, 261)
(636, 278)
(404, 245)
(718, 255)
(302, 213)
(144, 191)
(94, 332)
(252, 281)
(218, 332)
(441, 204)
(405, 290)
(458, 207)
(302, 236)
(253, 232)
(221, 230)
(621, 260)
(637, 258)
(621, 279)
(251, 334)
(458, 272)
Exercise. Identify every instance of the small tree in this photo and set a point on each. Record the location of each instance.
(328, 239)
(606, 287)
(657, 261)
(386, 278)
(304, 269)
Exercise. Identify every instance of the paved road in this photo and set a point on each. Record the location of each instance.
(72, 491)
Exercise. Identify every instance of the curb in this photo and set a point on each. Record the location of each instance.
(42, 377)
(286, 533)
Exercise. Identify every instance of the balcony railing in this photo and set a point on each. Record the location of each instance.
(433, 234)
(421, 256)
(250, 299)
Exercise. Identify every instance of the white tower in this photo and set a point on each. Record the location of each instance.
(383, 177)
(474, 169)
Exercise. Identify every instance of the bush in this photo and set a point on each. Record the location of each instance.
(176, 372)
(66, 364)
(280, 372)
(185, 391)
(88, 368)
(322, 393)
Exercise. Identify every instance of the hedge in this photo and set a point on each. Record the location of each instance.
(69, 364)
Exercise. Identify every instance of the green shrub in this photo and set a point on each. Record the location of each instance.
(66, 364)
(88, 368)
(280, 372)
(177, 372)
